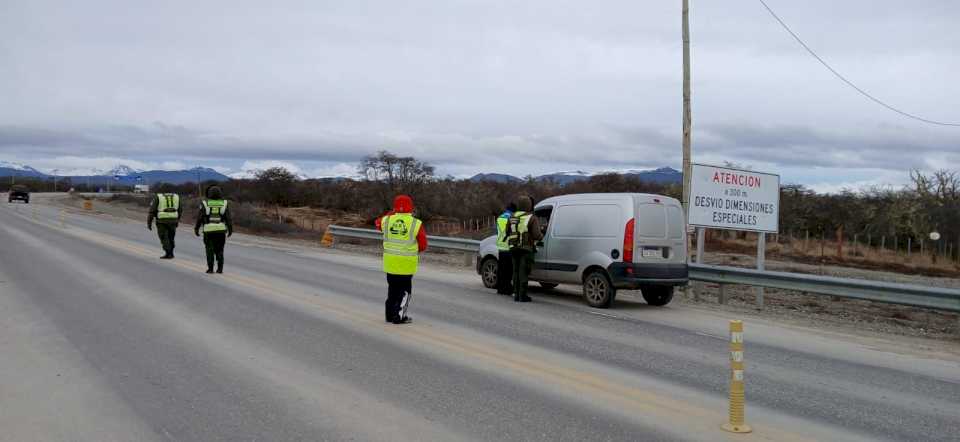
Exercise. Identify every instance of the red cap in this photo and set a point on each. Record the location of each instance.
(403, 204)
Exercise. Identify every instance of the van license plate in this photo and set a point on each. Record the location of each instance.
(651, 253)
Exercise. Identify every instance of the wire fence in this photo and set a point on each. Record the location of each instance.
(904, 249)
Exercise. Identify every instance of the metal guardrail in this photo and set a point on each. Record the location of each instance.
(440, 242)
(891, 293)
(887, 292)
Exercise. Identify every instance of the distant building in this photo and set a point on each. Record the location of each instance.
(141, 188)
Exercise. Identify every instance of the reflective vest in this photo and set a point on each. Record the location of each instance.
(214, 210)
(401, 253)
(517, 230)
(168, 204)
(502, 222)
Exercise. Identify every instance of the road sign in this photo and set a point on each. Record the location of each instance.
(727, 198)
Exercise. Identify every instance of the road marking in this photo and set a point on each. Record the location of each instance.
(710, 336)
(571, 380)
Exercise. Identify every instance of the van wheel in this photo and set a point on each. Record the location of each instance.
(548, 285)
(488, 272)
(657, 295)
(597, 289)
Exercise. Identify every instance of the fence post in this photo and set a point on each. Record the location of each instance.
(909, 247)
(883, 243)
(821, 244)
(856, 243)
(722, 294)
(761, 264)
(700, 240)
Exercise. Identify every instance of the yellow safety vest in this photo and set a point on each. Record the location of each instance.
(168, 204)
(401, 253)
(502, 233)
(214, 210)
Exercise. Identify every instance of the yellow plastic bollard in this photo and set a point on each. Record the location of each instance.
(737, 397)
(63, 219)
(327, 240)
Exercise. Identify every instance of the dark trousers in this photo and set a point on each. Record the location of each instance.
(505, 273)
(522, 264)
(214, 242)
(167, 232)
(399, 293)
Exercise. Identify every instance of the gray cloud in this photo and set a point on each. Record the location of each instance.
(493, 86)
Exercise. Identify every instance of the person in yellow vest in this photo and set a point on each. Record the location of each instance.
(504, 259)
(165, 209)
(217, 224)
(523, 233)
(404, 238)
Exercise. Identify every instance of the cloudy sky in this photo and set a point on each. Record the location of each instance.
(478, 86)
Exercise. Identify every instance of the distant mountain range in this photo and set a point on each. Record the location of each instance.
(663, 175)
(122, 174)
(127, 175)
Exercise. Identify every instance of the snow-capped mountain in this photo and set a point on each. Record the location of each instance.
(123, 170)
(122, 174)
(9, 168)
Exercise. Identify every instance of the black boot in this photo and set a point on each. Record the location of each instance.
(219, 267)
(209, 269)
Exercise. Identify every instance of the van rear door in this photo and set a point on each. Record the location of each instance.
(652, 243)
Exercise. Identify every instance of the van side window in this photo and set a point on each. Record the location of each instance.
(675, 222)
(652, 221)
(543, 216)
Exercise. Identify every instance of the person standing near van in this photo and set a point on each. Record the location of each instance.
(165, 208)
(523, 233)
(403, 240)
(217, 224)
(504, 259)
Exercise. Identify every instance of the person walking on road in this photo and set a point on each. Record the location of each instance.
(165, 209)
(215, 220)
(403, 240)
(523, 233)
(504, 260)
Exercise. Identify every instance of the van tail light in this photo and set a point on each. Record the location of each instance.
(628, 241)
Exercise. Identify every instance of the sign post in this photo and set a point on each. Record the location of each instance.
(736, 199)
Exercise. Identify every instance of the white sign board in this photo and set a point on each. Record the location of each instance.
(725, 198)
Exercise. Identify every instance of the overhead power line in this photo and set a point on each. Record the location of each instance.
(848, 82)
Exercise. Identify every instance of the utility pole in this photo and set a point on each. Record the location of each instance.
(687, 118)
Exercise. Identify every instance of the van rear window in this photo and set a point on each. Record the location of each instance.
(588, 221)
(652, 221)
(675, 222)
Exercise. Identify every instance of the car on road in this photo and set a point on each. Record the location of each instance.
(605, 242)
(19, 192)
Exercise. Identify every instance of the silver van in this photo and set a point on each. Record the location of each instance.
(605, 242)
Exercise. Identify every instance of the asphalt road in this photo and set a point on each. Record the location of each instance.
(100, 340)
